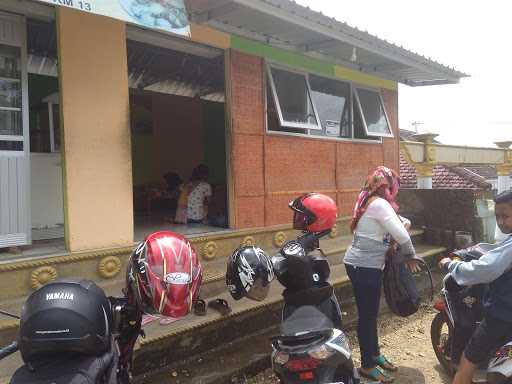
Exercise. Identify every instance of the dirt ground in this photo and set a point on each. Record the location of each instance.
(405, 342)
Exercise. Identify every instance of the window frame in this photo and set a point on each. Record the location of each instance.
(363, 118)
(311, 134)
(282, 122)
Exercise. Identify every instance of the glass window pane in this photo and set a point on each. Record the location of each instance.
(359, 131)
(273, 117)
(10, 93)
(332, 102)
(10, 123)
(11, 145)
(373, 111)
(10, 64)
(294, 99)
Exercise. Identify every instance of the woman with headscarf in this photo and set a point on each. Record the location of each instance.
(375, 222)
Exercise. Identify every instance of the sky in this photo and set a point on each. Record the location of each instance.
(472, 36)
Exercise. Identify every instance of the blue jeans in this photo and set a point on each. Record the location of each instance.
(366, 283)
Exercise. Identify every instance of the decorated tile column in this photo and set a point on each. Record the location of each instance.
(504, 169)
(425, 170)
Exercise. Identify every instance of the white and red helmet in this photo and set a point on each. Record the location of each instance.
(165, 275)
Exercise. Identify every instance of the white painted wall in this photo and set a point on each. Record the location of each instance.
(46, 190)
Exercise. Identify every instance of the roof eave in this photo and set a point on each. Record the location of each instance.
(426, 71)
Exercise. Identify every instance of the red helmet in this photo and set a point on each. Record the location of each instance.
(313, 212)
(164, 274)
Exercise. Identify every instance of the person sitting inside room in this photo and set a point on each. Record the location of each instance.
(194, 198)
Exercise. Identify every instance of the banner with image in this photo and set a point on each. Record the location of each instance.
(169, 15)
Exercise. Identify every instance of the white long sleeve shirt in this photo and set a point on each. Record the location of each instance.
(371, 236)
(379, 220)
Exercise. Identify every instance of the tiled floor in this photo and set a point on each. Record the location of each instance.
(147, 224)
(41, 248)
(143, 226)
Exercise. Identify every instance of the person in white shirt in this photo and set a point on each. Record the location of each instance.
(374, 223)
(199, 195)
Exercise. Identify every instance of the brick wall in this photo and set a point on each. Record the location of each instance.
(269, 170)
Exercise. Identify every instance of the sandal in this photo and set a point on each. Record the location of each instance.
(375, 374)
(200, 307)
(221, 306)
(385, 363)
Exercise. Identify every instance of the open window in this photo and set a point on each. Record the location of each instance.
(292, 96)
(302, 103)
(332, 101)
(370, 110)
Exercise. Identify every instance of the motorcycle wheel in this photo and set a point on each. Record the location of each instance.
(441, 337)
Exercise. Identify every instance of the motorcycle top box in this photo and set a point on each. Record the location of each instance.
(65, 316)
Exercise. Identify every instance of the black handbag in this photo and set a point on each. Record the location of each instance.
(400, 289)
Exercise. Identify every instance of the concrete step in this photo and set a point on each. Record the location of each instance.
(213, 278)
(167, 345)
(194, 337)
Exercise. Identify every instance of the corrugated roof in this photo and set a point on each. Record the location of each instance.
(286, 24)
(173, 72)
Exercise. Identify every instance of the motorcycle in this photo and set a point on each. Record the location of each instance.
(62, 343)
(311, 346)
(460, 309)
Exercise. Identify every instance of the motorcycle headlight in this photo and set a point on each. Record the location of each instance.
(322, 352)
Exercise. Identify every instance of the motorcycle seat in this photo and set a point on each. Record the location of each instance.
(69, 369)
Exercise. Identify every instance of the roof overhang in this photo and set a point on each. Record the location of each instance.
(285, 24)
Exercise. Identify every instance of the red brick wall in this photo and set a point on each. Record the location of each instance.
(269, 170)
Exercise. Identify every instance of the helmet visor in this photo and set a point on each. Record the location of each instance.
(302, 217)
(259, 290)
(300, 221)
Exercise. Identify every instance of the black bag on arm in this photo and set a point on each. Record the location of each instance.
(400, 290)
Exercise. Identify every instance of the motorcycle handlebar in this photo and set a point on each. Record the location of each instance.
(8, 350)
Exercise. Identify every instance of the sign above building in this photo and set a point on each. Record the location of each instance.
(168, 15)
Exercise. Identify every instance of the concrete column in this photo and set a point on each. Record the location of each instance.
(504, 183)
(504, 170)
(425, 170)
(98, 203)
(424, 174)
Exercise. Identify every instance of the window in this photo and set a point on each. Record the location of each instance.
(307, 104)
(374, 118)
(11, 127)
(293, 99)
(332, 101)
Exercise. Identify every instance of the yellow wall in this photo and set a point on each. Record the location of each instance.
(94, 102)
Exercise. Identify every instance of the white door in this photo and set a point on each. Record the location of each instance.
(14, 139)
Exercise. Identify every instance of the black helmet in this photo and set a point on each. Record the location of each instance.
(249, 273)
(297, 269)
(65, 316)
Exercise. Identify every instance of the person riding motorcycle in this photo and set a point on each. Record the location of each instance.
(494, 268)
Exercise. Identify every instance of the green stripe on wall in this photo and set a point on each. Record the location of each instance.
(309, 64)
(281, 56)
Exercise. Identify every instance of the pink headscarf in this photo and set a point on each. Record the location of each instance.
(382, 176)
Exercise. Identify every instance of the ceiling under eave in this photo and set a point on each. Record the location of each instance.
(285, 24)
